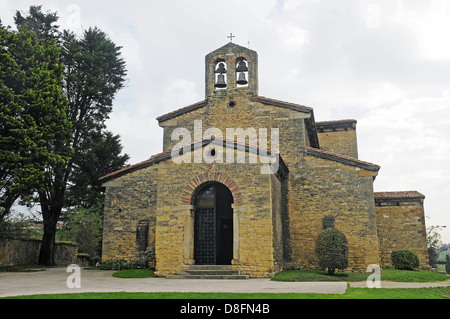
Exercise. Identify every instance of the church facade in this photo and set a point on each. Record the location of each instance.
(248, 181)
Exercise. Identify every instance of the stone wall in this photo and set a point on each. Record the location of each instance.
(248, 112)
(15, 252)
(338, 137)
(277, 215)
(401, 225)
(130, 204)
(324, 187)
(253, 229)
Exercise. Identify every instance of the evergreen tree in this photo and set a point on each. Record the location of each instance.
(12, 130)
(42, 24)
(35, 134)
(33, 124)
(100, 154)
(93, 73)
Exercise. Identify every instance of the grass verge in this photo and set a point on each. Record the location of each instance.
(351, 293)
(134, 273)
(387, 274)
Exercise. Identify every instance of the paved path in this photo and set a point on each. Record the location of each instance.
(54, 280)
(393, 284)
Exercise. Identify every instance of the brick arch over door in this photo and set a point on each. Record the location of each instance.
(189, 191)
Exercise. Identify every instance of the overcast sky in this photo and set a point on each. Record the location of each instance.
(383, 63)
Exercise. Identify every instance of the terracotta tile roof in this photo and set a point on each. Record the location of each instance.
(341, 158)
(283, 104)
(126, 170)
(399, 195)
(183, 110)
(336, 122)
(339, 125)
(168, 153)
(264, 100)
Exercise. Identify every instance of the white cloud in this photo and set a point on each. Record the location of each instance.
(293, 37)
(429, 24)
(178, 93)
(373, 16)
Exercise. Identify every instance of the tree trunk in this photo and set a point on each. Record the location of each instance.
(51, 202)
(50, 214)
(47, 251)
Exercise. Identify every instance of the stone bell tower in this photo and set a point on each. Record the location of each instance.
(231, 68)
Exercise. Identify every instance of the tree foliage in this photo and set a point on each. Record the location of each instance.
(84, 226)
(61, 93)
(33, 123)
(332, 250)
(434, 242)
(42, 24)
(100, 154)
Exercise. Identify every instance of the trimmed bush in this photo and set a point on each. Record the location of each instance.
(405, 259)
(332, 250)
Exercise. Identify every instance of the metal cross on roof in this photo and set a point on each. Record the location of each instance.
(231, 36)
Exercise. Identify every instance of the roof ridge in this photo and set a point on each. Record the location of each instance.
(398, 194)
(336, 121)
(182, 110)
(314, 151)
(259, 97)
(162, 155)
(125, 169)
(210, 140)
(262, 99)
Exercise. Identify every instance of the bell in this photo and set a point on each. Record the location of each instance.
(221, 69)
(241, 80)
(221, 81)
(242, 67)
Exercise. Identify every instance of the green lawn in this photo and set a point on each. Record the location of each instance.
(134, 273)
(387, 274)
(320, 275)
(351, 293)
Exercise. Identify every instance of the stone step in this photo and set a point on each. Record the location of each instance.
(209, 272)
(211, 267)
(217, 277)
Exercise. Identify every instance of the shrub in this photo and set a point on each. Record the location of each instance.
(433, 256)
(144, 258)
(405, 259)
(332, 250)
(83, 226)
(117, 264)
(447, 264)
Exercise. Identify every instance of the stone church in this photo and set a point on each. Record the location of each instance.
(250, 182)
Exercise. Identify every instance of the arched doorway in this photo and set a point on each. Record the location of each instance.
(213, 225)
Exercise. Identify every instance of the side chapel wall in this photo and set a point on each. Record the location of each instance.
(324, 187)
(401, 225)
(130, 212)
